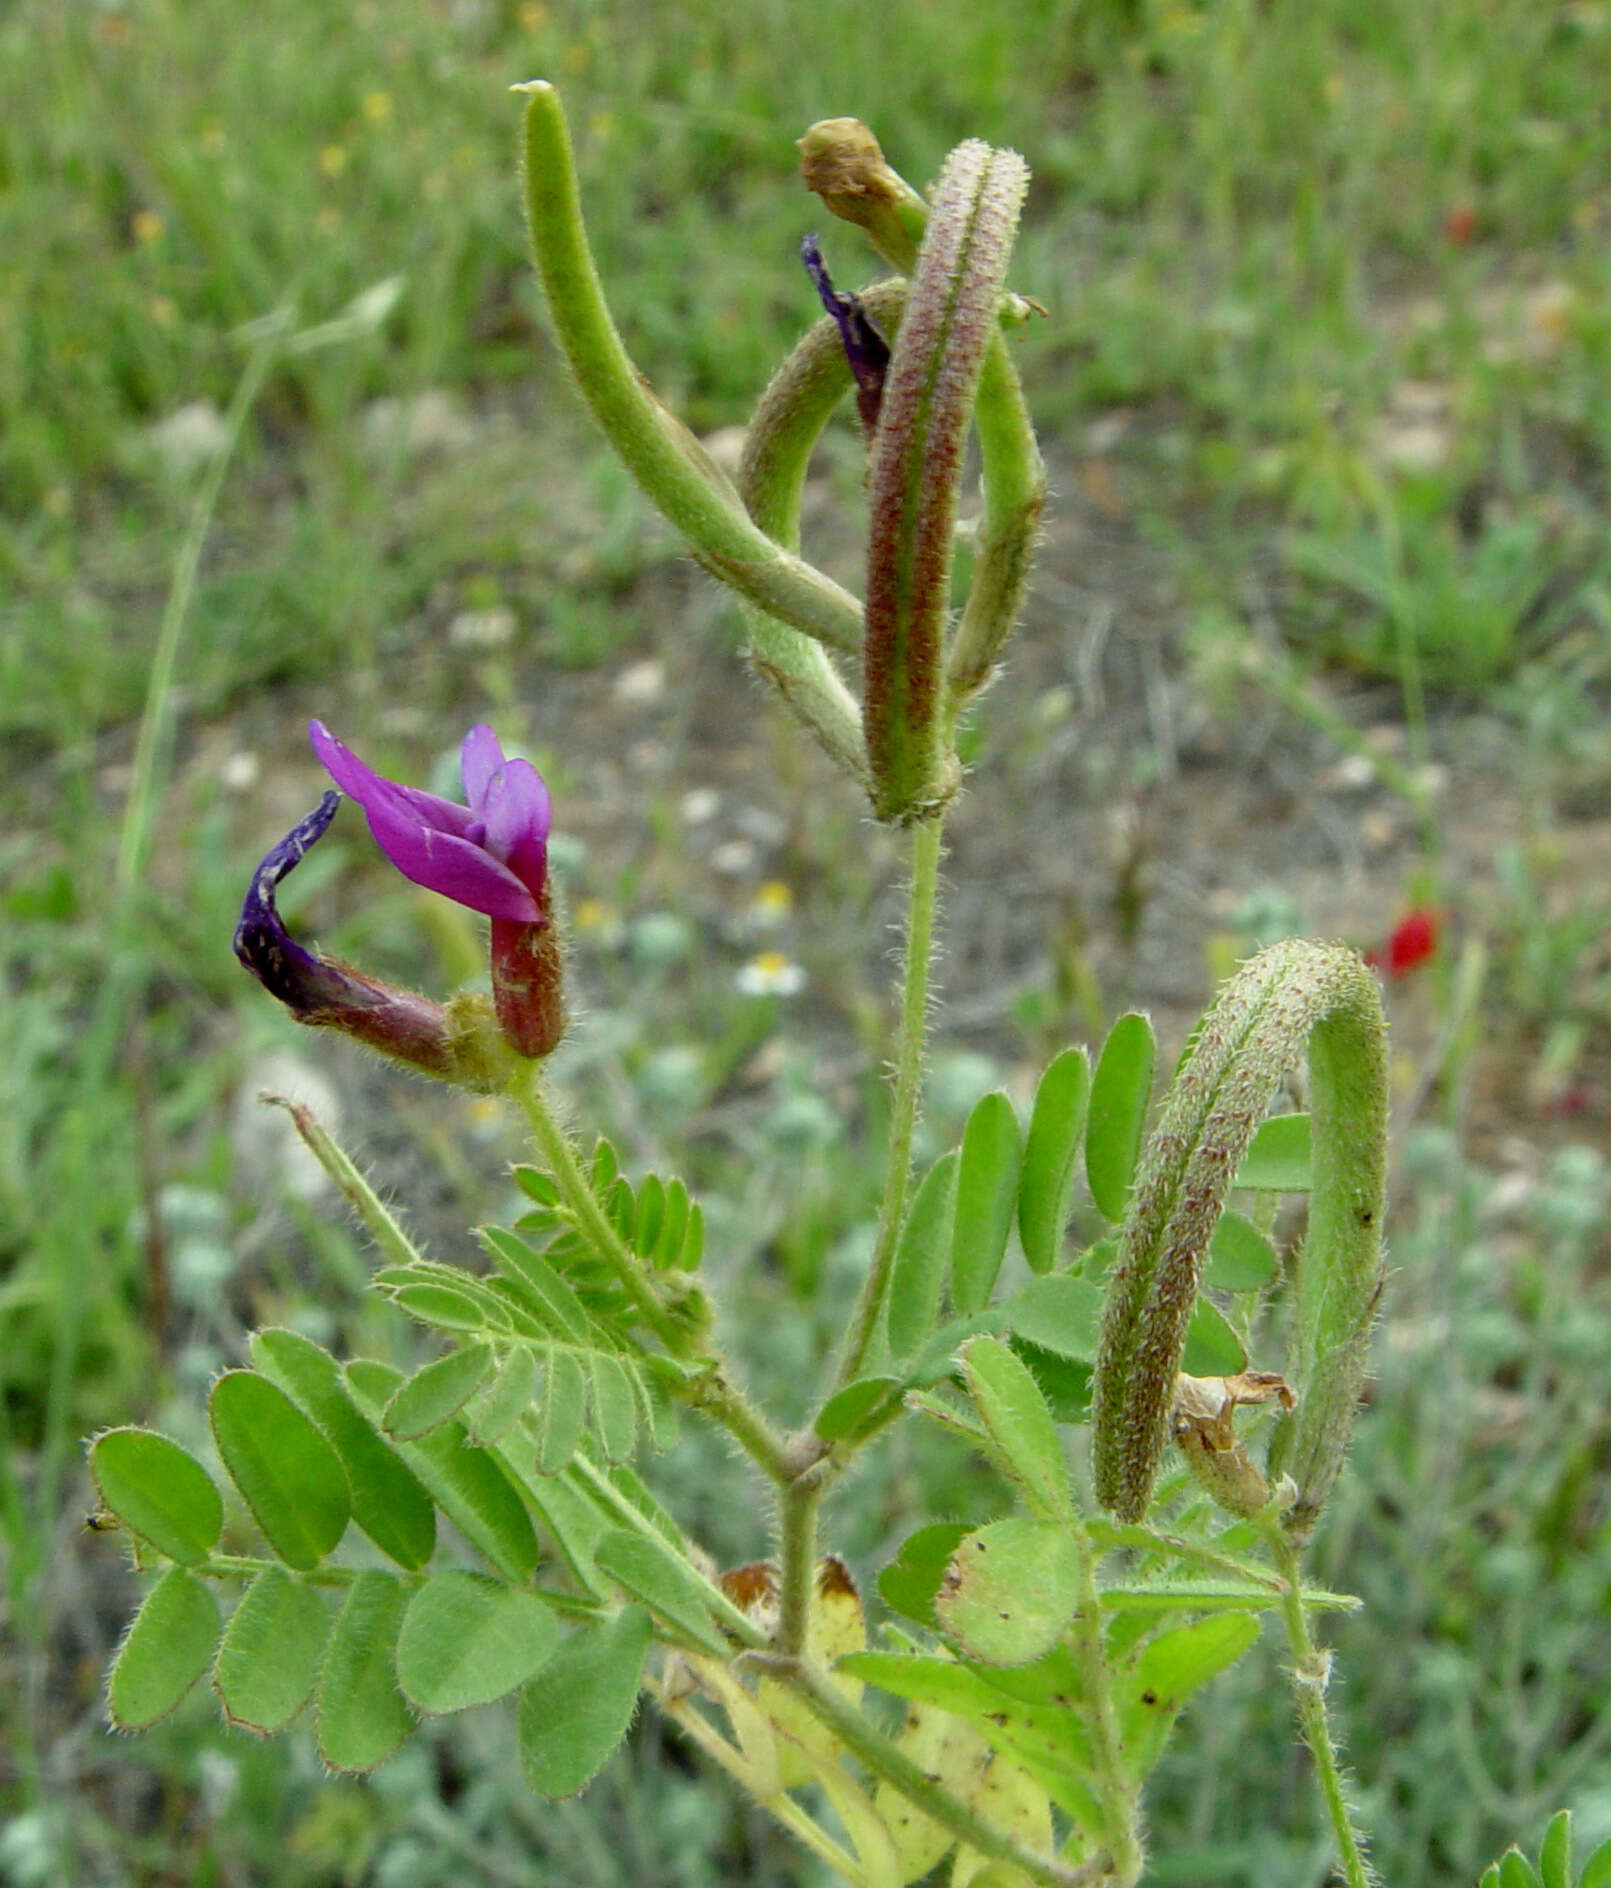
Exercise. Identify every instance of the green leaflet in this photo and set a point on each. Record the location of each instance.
(650, 1571)
(471, 1486)
(1019, 1424)
(466, 1640)
(158, 1491)
(986, 1201)
(388, 1501)
(921, 1253)
(436, 1392)
(290, 1477)
(1121, 1089)
(167, 1649)
(1164, 1673)
(1278, 1158)
(362, 1716)
(1010, 1590)
(577, 1709)
(1051, 1151)
(268, 1663)
(1059, 1314)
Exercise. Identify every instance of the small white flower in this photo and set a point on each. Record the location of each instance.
(771, 974)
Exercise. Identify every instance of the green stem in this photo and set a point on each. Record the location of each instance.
(582, 1203)
(1114, 1790)
(921, 901)
(1310, 1669)
(797, 1557)
(892, 1765)
(722, 1400)
(662, 455)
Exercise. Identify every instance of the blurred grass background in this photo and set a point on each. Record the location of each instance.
(1329, 294)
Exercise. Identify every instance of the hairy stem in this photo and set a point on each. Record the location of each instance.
(582, 1203)
(920, 910)
(1114, 1790)
(797, 1562)
(1310, 1669)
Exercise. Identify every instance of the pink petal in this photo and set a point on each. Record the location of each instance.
(480, 757)
(371, 790)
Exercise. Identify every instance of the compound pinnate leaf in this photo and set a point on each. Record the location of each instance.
(388, 1501)
(1278, 1159)
(1010, 1590)
(290, 1477)
(920, 1259)
(578, 1708)
(471, 1486)
(466, 1640)
(168, 1647)
(437, 1392)
(1120, 1091)
(268, 1663)
(158, 1491)
(1015, 1414)
(987, 1201)
(362, 1715)
(1051, 1150)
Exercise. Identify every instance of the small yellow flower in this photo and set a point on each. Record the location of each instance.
(377, 107)
(162, 311)
(533, 16)
(333, 159)
(146, 226)
(771, 905)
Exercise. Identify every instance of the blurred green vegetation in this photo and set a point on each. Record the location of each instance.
(1329, 325)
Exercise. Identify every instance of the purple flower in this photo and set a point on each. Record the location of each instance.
(865, 348)
(325, 993)
(491, 855)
